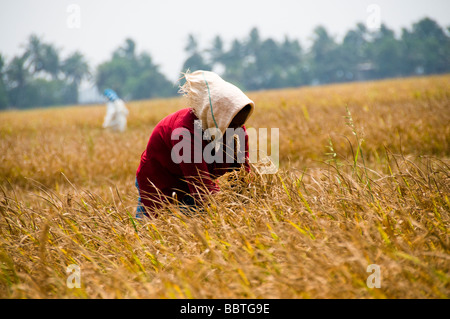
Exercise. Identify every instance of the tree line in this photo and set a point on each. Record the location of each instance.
(255, 63)
(41, 77)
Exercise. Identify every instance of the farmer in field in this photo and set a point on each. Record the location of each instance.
(189, 149)
(116, 112)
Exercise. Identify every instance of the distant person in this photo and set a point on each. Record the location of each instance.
(183, 156)
(116, 112)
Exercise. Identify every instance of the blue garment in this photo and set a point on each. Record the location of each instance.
(111, 95)
(140, 210)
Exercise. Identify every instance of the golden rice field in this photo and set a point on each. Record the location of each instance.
(367, 186)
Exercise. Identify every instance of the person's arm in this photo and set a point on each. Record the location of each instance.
(199, 179)
(235, 153)
(195, 171)
(239, 180)
(109, 115)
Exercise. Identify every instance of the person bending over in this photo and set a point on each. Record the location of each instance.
(189, 149)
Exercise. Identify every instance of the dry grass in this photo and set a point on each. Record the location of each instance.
(369, 188)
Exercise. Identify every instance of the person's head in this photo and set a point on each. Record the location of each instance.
(216, 102)
(110, 95)
(241, 117)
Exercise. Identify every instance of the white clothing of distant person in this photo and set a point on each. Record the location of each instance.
(116, 112)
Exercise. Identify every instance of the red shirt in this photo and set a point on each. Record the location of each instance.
(159, 176)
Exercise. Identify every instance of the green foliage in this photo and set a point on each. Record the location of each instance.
(75, 68)
(427, 47)
(133, 76)
(254, 63)
(39, 77)
(3, 92)
(196, 61)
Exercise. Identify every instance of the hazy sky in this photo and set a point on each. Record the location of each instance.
(97, 27)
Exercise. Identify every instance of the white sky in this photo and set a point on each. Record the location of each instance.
(161, 27)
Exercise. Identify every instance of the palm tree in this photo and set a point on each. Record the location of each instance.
(42, 57)
(75, 68)
(34, 54)
(17, 75)
(51, 60)
(3, 91)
